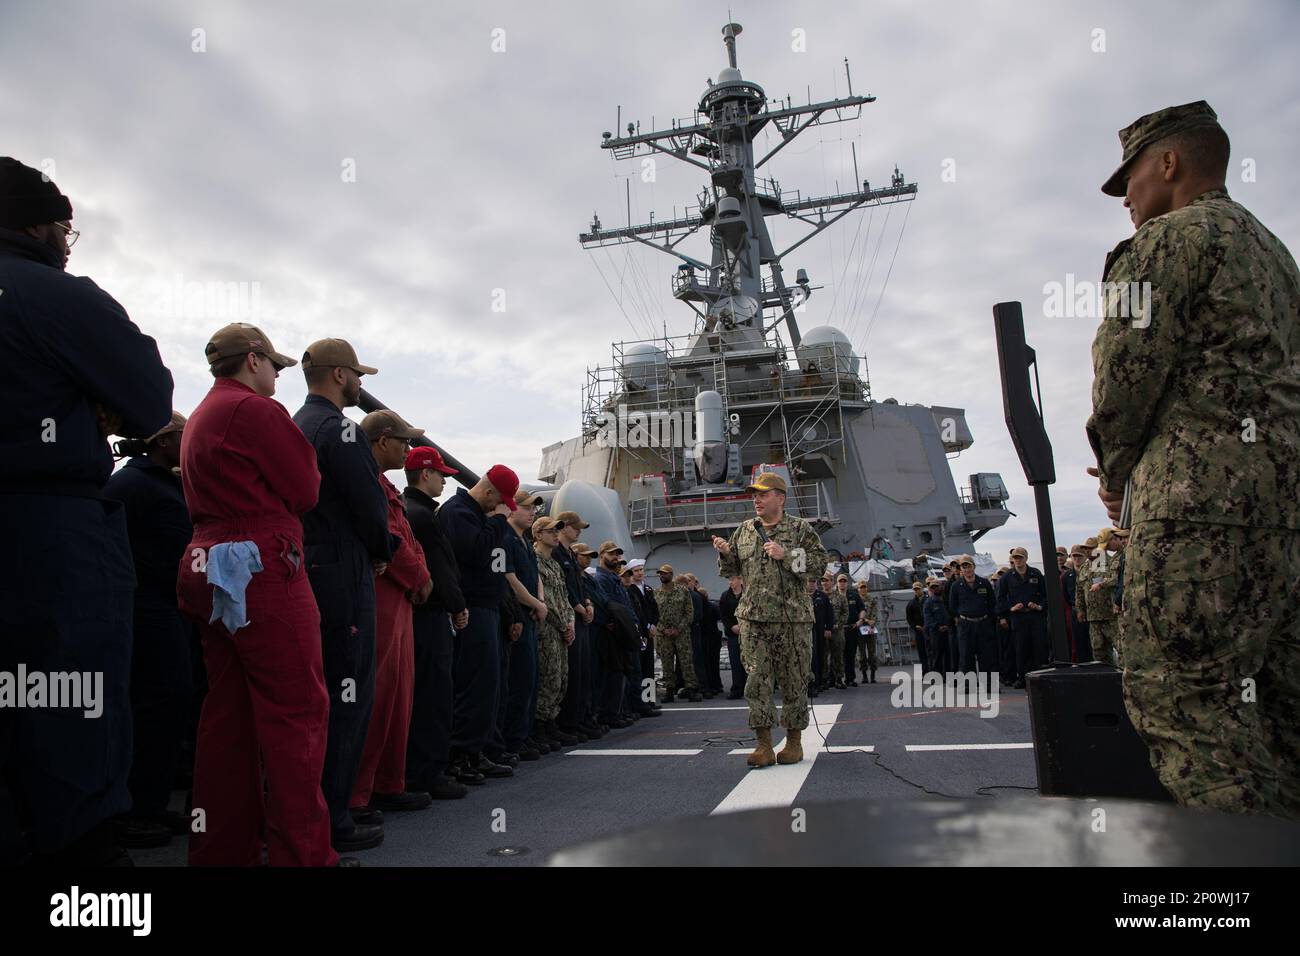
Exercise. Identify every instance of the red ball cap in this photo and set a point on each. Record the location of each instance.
(505, 481)
(423, 457)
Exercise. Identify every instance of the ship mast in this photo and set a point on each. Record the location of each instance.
(732, 289)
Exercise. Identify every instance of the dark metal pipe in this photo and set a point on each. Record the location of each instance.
(465, 476)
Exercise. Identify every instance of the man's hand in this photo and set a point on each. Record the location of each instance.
(515, 630)
(461, 620)
(826, 634)
(1018, 607)
(569, 636)
(539, 612)
(943, 627)
(774, 550)
(1113, 501)
(380, 567)
(1034, 607)
(421, 594)
(1095, 587)
(735, 629)
(502, 509)
(1002, 623)
(721, 545)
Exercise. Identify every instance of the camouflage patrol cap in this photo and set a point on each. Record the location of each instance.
(1019, 553)
(1152, 128)
(1080, 549)
(768, 481)
(583, 549)
(607, 546)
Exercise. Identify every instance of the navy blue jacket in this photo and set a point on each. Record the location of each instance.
(422, 513)
(727, 605)
(65, 345)
(347, 531)
(697, 622)
(1013, 590)
(605, 587)
(935, 613)
(569, 565)
(158, 525)
(1069, 581)
(971, 600)
(915, 615)
(823, 613)
(477, 541)
(521, 561)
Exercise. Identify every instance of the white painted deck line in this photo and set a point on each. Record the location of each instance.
(917, 747)
(778, 786)
(629, 752)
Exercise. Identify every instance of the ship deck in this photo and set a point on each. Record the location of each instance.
(691, 763)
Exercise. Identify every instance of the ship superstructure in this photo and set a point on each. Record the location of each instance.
(674, 428)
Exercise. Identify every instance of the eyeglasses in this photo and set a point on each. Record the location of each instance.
(965, 564)
(70, 234)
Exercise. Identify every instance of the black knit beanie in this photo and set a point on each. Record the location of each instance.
(29, 199)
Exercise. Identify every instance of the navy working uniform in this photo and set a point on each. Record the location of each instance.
(517, 709)
(66, 574)
(730, 625)
(428, 746)
(973, 606)
(606, 588)
(343, 536)
(823, 621)
(573, 710)
(1028, 627)
(937, 624)
(478, 541)
(159, 528)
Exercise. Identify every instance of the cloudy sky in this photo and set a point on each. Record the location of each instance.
(379, 171)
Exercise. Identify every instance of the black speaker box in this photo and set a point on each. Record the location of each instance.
(1084, 743)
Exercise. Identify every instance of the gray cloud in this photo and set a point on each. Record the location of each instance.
(476, 170)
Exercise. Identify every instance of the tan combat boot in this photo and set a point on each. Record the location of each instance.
(792, 752)
(762, 755)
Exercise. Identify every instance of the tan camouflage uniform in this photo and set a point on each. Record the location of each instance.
(1201, 412)
(867, 642)
(775, 616)
(675, 610)
(552, 651)
(1103, 623)
(840, 606)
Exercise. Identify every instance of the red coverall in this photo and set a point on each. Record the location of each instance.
(249, 474)
(383, 763)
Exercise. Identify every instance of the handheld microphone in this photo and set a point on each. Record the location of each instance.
(762, 533)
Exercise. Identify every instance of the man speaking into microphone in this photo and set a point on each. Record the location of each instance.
(774, 554)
